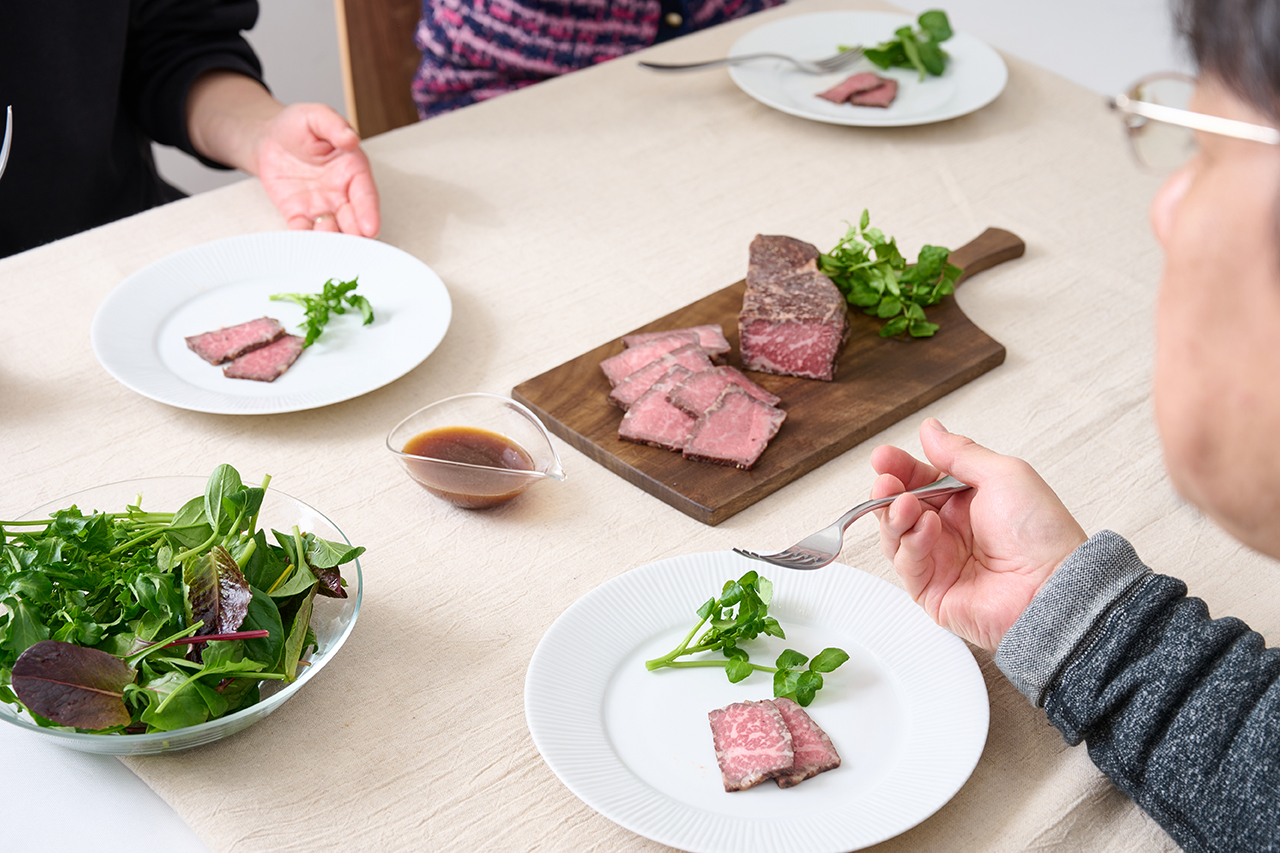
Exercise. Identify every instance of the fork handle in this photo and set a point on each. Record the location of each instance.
(947, 485)
(713, 63)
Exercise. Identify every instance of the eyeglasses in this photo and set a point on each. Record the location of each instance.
(1161, 128)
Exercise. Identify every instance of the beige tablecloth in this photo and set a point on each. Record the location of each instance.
(560, 218)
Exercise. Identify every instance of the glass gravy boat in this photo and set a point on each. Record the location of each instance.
(475, 450)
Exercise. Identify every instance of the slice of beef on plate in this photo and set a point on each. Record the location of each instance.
(696, 393)
(618, 367)
(849, 86)
(752, 743)
(793, 319)
(229, 342)
(631, 388)
(880, 96)
(814, 753)
(734, 431)
(654, 421)
(710, 337)
(266, 364)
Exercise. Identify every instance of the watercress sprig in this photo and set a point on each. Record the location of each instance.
(872, 274)
(918, 49)
(335, 297)
(740, 614)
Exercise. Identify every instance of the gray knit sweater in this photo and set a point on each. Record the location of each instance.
(1181, 711)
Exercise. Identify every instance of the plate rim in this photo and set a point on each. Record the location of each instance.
(721, 565)
(741, 75)
(213, 402)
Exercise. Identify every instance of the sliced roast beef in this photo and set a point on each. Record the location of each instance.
(851, 86)
(710, 337)
(734, 431)
(229, 342)
(880, 96)
(752, 743)
(636, 383)
(696, 393)
(814, 753)
(618, 367)
(793, 319)
(268, 363)
(654, 421)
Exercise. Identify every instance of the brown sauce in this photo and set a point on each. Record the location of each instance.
(494, 480)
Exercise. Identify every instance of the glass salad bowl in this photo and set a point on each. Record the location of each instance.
(332, 619)
(475, 450)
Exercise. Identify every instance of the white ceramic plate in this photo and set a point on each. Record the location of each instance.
(139, 330)
(975, 73)
(908, 712)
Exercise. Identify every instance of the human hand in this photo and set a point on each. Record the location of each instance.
(312, 168)
(975, 559)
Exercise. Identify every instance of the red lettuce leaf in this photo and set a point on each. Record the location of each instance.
(217, 591)
(73, 685)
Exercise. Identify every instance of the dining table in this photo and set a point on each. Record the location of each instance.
(559, 219)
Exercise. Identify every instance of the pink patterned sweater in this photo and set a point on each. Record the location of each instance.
(476, 49)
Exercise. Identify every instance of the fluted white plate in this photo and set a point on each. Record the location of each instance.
(139, 330)
(974, 76)
(908, 712)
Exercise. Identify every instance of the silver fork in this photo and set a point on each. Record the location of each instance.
(821, 548)
(827, 65)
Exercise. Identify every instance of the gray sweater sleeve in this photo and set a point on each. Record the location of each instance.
(1181, 711)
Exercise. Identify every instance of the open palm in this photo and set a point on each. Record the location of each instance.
(312, 168)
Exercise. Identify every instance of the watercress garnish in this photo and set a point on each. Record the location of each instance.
(335, 297)
(740, 614)
(918, 49)
(873, 275)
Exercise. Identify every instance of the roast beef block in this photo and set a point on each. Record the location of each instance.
(654, 421)
(814, 753)
(850, 86)
(734, 431)
(618, 367)
(234, 341)
(696, 393)
(880, 96)
(793, 319)
(266, 364)
(636, 383)
(752, 743)
(710, 337)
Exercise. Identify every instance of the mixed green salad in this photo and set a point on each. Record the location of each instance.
(139, 621)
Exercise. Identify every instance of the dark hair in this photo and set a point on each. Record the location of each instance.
(1238, 42)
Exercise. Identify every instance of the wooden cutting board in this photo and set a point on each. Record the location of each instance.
(878, 381)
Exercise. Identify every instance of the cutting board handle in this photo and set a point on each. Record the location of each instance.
(991, 247)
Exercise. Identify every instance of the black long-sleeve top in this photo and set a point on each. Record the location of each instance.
(92, 83)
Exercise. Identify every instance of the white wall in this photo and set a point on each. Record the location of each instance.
(1101, 44)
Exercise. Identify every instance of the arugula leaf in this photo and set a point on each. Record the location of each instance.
(872, 274)
(335, 297)
(750, 595)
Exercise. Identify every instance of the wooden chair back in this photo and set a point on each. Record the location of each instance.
(375, 39)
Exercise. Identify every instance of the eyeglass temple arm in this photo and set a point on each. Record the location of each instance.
(1197, 121)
